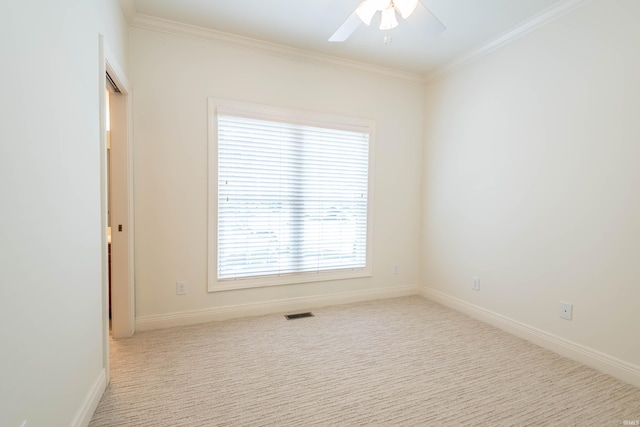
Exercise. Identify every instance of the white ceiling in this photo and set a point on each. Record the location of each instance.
(307, 24)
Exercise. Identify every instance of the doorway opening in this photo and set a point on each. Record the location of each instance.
(116, 202)
(118, 205)
(111, 88)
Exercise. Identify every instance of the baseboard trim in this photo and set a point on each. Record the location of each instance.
(145, 323)
(88, 408)
(610, 365)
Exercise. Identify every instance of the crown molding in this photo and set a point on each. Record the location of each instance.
(152, 23)
(543, 18)
(185, 30)
(129, 9)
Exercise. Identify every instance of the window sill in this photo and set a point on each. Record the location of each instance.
(216, 285)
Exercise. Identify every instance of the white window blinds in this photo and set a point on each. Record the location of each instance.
(292, 198)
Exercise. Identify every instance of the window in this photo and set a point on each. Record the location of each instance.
(289, 196)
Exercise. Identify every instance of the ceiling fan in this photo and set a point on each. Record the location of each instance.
(365, 12)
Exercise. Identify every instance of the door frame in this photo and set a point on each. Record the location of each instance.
(123, 318)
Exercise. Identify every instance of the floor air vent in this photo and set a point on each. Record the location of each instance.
(298, 315)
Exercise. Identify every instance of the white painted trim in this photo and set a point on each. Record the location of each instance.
(88, 408)
(543, 18)
(145, 323)
(185, 30)
(107, 62)
(269, 112)
(153, 23)
(102, 84)
(620, 369)
(116, 72)
(129, 9)
(123, 297)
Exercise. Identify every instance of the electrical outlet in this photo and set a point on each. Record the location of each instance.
(566, 310)
(476, 284)
(395, 268)
(181, 288)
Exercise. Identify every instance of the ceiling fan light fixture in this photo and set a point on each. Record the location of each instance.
(380, 4)
(405, 7)
(388, 20)
(366, 10)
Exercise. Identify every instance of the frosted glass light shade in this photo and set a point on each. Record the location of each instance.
(365, 11)
(368, 8)
(388, 20)
(380, 4)
(405, 7)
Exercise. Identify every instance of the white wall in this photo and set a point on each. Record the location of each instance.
(173, 76)
(531, 180)
(50, 255)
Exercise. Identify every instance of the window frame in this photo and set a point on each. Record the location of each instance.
(265, 112)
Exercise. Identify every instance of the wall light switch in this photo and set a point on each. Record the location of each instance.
(476, 284)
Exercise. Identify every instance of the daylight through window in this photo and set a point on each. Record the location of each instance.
(292, 198)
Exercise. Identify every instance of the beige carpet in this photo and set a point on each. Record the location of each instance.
(405, 361)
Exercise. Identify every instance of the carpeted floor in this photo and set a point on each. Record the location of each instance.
(404, 361)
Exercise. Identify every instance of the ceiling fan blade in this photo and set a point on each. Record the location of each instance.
(432, 26)
(346, 29)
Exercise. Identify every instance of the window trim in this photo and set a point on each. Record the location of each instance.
(265, 112)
